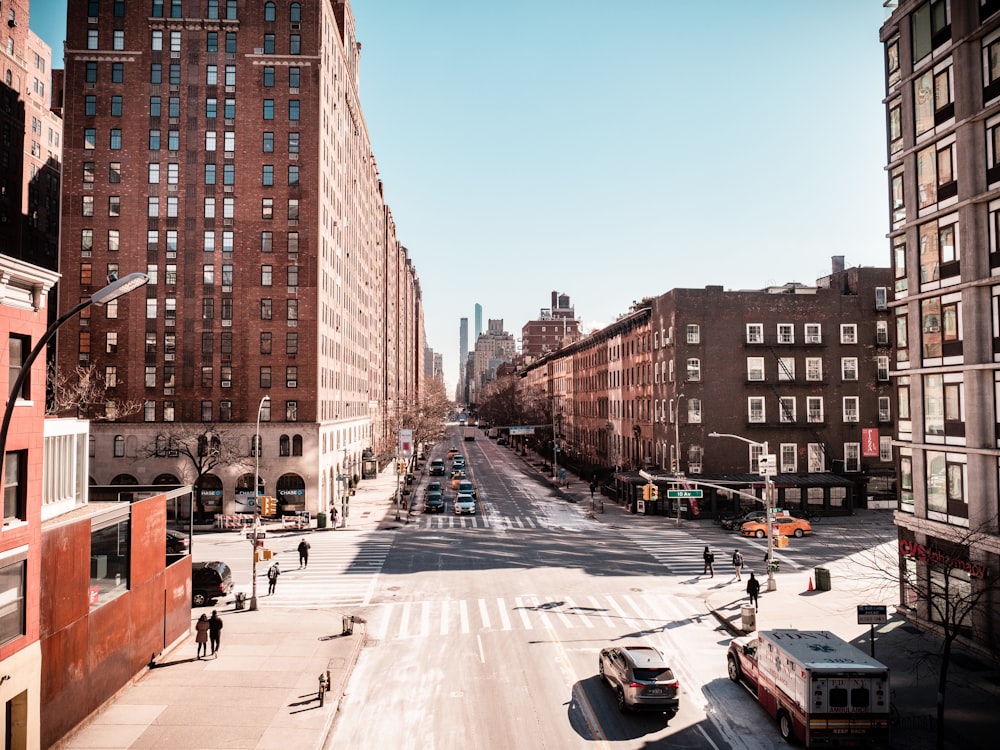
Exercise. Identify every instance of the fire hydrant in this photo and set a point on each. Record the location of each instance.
(324, 685)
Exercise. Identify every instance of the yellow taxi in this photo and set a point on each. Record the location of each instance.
(780, 526)
(456, 478)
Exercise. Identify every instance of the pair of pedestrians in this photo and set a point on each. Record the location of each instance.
(208, 630)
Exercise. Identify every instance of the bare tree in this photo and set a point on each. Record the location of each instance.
(84, 392)
(426, 416)
(200, 449)
(954, 597)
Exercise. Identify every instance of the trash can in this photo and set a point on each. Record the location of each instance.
(321, 520)
(241, 600)
(348, 625)
(749, 619)
(823, 579)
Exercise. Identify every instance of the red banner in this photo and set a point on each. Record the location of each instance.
(869, 442)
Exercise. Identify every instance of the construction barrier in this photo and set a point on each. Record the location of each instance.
(236, 521)
(295, 522)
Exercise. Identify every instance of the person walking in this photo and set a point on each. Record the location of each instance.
(201, 634)
(737, 563)
(272, 577)
(214, 631)
(709, 560)
(303, 554)
(753, 589)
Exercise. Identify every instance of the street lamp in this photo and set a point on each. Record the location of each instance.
(764, 469)
(256, 500)
(101, 297)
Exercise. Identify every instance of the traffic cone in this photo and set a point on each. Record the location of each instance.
(810, 583)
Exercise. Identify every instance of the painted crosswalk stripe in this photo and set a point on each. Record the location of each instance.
(444, 617)
(504, 619)
(580, 615)
(525, 620)
(484, 613)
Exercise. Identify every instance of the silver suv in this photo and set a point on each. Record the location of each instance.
(641, 679)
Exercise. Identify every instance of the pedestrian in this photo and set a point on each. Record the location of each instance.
(709, 559)
(737, 563)
(214, 631)
(593, 487)
(201, 635)
(303, 554)
(753, 589)
(272, 577)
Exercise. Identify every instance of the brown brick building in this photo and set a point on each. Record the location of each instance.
(220, 148)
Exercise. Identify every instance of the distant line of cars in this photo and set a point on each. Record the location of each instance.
(466, 494)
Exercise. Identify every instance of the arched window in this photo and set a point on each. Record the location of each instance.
(295, 13)
(284, 446)
(296, 445)
(269, 12)
(119, 446)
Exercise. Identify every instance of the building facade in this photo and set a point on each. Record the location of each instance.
(221, 149)
(942, 98)
(555, 327)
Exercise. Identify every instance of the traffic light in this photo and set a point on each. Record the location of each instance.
(654, 492)
(268, 505)
(647, 492)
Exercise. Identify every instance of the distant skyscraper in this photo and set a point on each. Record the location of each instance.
(463, 352)
(479, 321)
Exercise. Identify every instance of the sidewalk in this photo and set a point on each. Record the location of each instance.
(261, 691)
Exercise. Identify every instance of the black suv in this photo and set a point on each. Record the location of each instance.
(209, 581)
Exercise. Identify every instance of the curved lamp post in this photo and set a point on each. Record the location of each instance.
(768, 501)
(256, 500)
(101, 297)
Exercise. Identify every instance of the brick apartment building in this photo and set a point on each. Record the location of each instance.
(942, 98)
(554, 327)
(220, 148)
(804, 369)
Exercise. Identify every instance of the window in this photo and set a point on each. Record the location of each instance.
(293, 175)
(292, 309)
(786, 404)
(268, 146)
(265, 309)
(265, 342)
(694, 334)
(882, 332)
(694, 410)
(788, 455)
(269, 109)
(265, 376)
(814, 409)
(755, 409)
(884, 448)
(92, 39)
(292, 276)
(267, 177)
(786, 368)
(694, 369)
(284, 446)
(117, 72)
(848, 368)
(939, 249)
(882, 368)
(19, 349)
(267, 242)
(294, 77)
(268, 44)
(816, 457)
(852, 456)
(266, 275)
(851, 409)
(15, 489)
(267, 208)
(111, 342)
(225, 411)
(293, 143)
(295, 44)
(848, 333)
(933, 102)
(119, 446)
(292, 415)
(118, 39)
(292, 376)
(115, 139)
(13, 577)
(884, 409)
(755, 368)
(293, 110)
(206, 411)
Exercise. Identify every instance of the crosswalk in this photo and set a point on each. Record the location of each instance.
(677, 551)
(340, 575)
(484, 520)
(638, 613)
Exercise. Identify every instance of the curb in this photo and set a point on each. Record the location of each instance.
(361, 630)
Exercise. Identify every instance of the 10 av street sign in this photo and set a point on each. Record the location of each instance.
(675, 494)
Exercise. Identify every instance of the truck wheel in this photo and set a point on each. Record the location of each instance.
(734, 670)
(785, 727)
(760, 534)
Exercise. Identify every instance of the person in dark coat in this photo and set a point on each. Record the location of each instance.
(201, 635)
(272, 577)
(214, 631)
(303, 554)
(753, 589)
(709, 560)
(737, 563)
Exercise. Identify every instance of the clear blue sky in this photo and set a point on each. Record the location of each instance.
(612, 151)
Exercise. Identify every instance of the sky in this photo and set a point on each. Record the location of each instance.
(613, 151)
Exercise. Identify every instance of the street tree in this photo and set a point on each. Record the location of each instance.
(427, 415)
(956, 597)
(85, 393)
(200, 449)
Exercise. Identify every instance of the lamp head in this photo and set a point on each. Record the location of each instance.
(118, 288)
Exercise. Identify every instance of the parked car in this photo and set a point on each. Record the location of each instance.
(735, 524)
(501, 440)
(641, 678)
(465, 504)
(436, 468)
(209, 581)
(465, 487)
(177, 542)
(434, 502)
(783, 526)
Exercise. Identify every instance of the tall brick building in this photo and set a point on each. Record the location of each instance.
(220, 147)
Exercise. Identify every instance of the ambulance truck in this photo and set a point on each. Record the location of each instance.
(822, 691)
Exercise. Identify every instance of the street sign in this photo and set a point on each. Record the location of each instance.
(674, 494)
(872, 614)
(530, 430)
